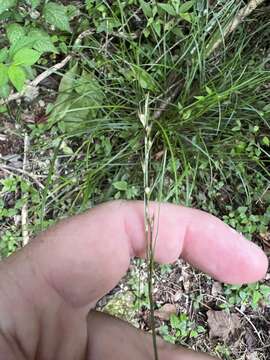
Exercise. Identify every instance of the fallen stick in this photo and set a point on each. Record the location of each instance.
(236, 21)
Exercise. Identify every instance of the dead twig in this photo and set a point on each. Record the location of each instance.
(12, 170)
(173, 91)
(242, 313)
(236, 21)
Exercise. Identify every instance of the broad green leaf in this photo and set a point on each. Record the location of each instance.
(146, 8)
(26, 57)
(3, 109)
(145, 80)
(120, 185)
(17, 77)
(33, 3)
(3, 54)
(37, 34)
(44, 45)
(23, 42)
(4, 91)
(6, 4)
(69, 79)
(157, 27)
(169, 9)
(265, 291)
(88, 85)
(3, 75)
(72, 11)
(266, 141)
(14, 32)
(266, 108)
(29, 72)
(76, 114)
(186, 6)
(42, 41)
(66, 87)
(256, 297)
(186, 16)
(56, 15)
(108, 25)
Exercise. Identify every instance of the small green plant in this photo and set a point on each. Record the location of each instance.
(10, 241)
(27, 39)
(247, 223)
(125, 190)
(224, 351)
(138, 287)
(180, 327)
(252, 295)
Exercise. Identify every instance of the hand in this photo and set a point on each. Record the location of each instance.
(48, 288)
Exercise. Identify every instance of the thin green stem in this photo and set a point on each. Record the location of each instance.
(149, 220)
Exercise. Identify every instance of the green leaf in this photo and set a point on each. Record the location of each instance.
(14, 32)
(108, 25)
(33, 3)
(72, 11)
(23, 42)
(6, 4)
(44, 45)
(157, 27)
(76, 115)
(120, 185)
(26, 57)
(3, 54)
(265, 290)
(17, 77)
(42, 41)
(169, 9)
(200, 329)
(56, 15)
(194, 334)
(186, 16)
(186, 6)
(4, 91)
(256, 297)
(3, 75)
(266, 141)
(174, 321)
(62, 103)
(145, 80)
(68, 81)
(88, 85)
(146, 8)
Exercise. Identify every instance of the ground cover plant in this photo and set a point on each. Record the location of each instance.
(79, 79)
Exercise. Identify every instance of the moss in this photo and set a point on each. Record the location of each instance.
(122, 307)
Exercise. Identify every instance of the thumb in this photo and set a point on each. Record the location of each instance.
(123, 341)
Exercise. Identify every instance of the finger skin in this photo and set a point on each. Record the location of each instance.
(114, 339)
(93, 250)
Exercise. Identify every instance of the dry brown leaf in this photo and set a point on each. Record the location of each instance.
(186, 276)
(159, 155)
(177, 296)
(252, 356)
(216, 289)
(165, 312)
(222, 323)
